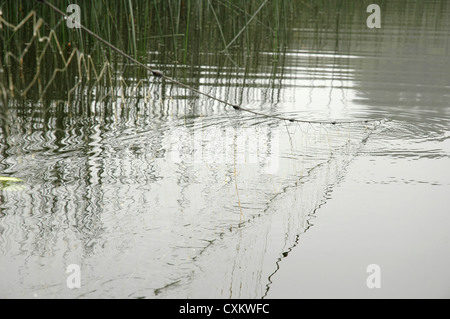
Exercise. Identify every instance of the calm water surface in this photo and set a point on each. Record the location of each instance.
(158, 193)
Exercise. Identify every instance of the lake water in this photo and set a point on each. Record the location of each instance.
(156, 192)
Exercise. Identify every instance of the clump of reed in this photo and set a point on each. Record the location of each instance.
(178, 29)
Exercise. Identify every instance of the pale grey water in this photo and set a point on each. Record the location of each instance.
(178, 197)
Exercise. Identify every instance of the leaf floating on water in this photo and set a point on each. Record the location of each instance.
(7, 183)
(10, 179)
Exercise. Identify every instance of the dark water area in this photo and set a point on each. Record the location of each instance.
(155, 191)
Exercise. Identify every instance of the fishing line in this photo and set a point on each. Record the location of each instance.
(159, 74)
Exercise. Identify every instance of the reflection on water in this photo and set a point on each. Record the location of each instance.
(157, 192)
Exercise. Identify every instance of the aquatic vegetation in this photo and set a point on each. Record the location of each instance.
(158, 190)
(10, 183)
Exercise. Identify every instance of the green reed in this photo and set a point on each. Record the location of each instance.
(175, 28)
